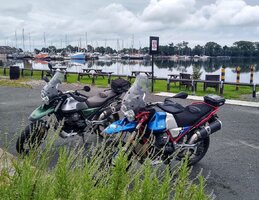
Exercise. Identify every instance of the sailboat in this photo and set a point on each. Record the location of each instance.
(77, 56)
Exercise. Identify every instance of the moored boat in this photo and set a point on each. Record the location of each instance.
(78, 56)
(42, 56)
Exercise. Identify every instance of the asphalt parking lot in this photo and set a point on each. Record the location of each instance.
(232, 160)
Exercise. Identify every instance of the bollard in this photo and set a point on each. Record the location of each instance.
(168, 85)
(4, 71)
(65, 76)
(254, 90)
(251, 74)
(193, 87)
(42, 74)
(223, 73)
(221, 88)
(31, 72)
(93, 78)
(109, 79)
(238, 77)
(78, 76)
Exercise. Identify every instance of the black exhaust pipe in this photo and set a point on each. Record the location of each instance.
(109, 111)
(208, 130)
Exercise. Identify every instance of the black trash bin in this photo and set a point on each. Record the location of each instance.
(14, 72)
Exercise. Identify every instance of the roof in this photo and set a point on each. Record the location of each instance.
(7, 50)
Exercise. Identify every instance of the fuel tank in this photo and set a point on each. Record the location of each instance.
(72, 105)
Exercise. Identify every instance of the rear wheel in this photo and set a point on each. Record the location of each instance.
(31, 137)
(195, 155)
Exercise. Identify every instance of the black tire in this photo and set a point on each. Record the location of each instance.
(110, 119)
(31, 137)
(196, 156)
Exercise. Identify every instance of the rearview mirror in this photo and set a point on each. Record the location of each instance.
(86, 88)
(181, 95)
(45, 78)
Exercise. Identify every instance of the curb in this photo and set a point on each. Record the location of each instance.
(200, 98)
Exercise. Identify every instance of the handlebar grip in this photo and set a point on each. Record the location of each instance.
(78, 98)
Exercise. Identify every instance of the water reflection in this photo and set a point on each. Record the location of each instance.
(162, 67)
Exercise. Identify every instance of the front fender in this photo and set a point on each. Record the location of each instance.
(119, 126)
(40, 112)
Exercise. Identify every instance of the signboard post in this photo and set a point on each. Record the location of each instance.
(153, 49)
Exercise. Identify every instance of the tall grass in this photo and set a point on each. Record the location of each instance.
(94, 173)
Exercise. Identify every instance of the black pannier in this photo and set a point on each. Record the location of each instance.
(120, 85)
(214, 100)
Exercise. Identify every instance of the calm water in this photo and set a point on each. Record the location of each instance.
(162, 67)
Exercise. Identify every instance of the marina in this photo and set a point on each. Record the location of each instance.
(162, 67)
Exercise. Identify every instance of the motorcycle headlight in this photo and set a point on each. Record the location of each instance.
(130, 115)
(44, 98)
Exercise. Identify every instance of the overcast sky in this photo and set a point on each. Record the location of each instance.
(195, 21)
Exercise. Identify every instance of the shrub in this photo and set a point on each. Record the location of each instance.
(90, 174)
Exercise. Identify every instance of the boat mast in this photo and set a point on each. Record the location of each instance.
(86, 41)
(23, 40)
(30, 41)
(44, 39)
(15, 40)
(132, 44)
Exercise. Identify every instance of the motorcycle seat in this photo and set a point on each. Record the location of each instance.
(171, 107)
(99, 99)
(192, 114)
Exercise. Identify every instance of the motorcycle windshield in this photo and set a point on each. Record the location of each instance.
(134, 99)
(51, 88)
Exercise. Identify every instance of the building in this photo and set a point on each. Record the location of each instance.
(4, 51)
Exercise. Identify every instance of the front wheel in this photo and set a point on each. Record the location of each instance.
(31, 137)
(109, 119)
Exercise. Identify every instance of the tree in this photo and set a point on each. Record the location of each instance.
(213, 49)
(246, 48)
(198, 50)
(52, 49)
(36, 51)
(90, 48)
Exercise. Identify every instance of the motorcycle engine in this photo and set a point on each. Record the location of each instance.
(73, 122)
(162, 141)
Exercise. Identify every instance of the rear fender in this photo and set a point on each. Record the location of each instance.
(40, 112)
(120, 126)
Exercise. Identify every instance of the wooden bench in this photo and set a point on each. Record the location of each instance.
(185, 76)
(211, 77)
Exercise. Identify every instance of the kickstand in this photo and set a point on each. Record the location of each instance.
(83, 137)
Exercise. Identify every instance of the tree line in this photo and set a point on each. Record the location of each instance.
(238, 49)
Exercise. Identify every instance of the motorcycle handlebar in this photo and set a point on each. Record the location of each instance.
(77, 97)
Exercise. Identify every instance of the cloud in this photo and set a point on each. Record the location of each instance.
(168, 11)
(224, 14)
(172, 20)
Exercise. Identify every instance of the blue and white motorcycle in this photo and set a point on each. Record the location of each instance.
(162, 129)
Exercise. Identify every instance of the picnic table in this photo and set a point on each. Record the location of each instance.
(94, 72)
(62, 68)
(174, 76)
(135, 73)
